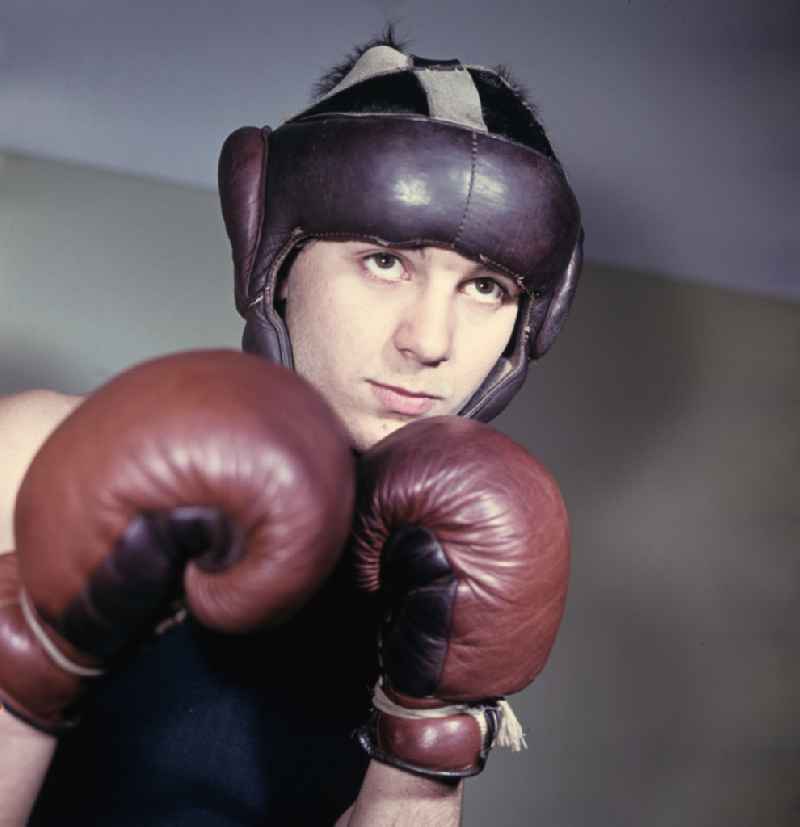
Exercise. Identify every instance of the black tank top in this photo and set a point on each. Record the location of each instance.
(208, 730)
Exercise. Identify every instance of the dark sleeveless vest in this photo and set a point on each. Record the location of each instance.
(207, 730)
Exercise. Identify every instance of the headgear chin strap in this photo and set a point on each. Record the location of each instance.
(433, 178)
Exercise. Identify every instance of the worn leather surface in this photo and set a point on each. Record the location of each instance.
(449, 747)
(241, 174)
(499, 520)
(411, 181)
(31, 688)
(211, 474)
(418, 592)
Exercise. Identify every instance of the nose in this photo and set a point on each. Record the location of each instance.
(425, 330)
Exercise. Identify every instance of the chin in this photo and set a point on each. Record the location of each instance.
(365, 435)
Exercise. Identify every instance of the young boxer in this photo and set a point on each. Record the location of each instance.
(407, 245)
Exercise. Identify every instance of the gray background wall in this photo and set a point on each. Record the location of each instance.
(678, 121)
(667, 411)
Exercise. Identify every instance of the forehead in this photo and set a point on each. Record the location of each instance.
(431, 257)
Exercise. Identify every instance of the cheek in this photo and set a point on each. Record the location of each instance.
(482, 342)
(306, 326)
(486, 339)
(333, 335)
(354, 325)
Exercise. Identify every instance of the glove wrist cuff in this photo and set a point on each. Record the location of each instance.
(442, 748)
(429, 739)
(33, 687)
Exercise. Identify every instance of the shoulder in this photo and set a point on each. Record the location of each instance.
(26, 420)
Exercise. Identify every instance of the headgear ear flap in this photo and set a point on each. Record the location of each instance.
(558, 304)
(242, 173)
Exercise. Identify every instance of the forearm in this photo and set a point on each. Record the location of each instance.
(25, 755)
(393, 797)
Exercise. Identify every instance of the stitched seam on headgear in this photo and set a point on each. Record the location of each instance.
(245, 266)
(262, 195)
(531, 112)
(492, 392)
(469, 191)
(266, 293)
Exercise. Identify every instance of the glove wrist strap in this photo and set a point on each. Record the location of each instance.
(446, 741)
(33, 687)
(53, 652)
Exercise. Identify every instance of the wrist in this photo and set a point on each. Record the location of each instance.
(24, 759)
(391, 796)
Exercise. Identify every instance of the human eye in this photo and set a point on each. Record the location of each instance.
(488, 291)
(384, 265)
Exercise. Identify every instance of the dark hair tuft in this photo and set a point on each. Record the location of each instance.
(516, 86)
(336, 74)
(507, 106)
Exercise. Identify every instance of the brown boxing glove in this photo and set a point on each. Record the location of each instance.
(463, 536)
(213, 476)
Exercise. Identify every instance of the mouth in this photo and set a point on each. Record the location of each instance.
(397, 400)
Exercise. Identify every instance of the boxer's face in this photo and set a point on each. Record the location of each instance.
(388, 335)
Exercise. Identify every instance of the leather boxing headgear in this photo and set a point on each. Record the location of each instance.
(432, 176)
